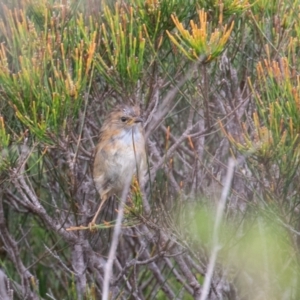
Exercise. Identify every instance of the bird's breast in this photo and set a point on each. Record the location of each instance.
(120, 156)
(130, 137)
(130, 145)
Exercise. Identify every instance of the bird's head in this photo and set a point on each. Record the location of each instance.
(124, 117)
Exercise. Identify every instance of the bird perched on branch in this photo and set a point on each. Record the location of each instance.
(119, 154)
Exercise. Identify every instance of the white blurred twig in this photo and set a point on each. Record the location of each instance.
(219, 215)
(114, 244)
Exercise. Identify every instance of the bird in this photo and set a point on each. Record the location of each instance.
(120, 153)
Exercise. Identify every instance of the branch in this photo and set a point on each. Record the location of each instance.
(164, 108)
(114, 243)
(219, 216)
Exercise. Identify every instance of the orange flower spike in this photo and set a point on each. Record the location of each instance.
(259, 69)
(227, 32)
(191, 143)
(91, 52)
(179, 26)
(281, 125)
(167, 137)
(221, 13)
(291, 127)
(295, 92)
(268, 53)
(1, 122)
(203, 22)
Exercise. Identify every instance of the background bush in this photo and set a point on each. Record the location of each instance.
(219, 87)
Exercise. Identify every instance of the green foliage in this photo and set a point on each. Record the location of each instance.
(155, 15)
(201, 42)
(121, 62)
(63, 64)
(275, 144)
(4, 136)
(44, 72)
(262, 250)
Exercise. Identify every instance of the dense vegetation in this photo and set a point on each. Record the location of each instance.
(219, 87)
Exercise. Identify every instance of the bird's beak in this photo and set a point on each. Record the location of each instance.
(138, 120)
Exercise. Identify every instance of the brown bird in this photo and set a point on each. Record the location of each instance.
(119, 154)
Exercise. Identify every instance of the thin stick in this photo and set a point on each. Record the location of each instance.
(219, 216)
(114, 244)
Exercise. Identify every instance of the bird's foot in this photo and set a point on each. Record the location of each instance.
(92, 226)
(74, 228)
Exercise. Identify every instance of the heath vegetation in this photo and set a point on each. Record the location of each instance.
(219, 88)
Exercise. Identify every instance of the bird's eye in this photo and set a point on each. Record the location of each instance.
(123, 119)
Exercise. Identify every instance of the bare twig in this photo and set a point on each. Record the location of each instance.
(164, 108)
(215, 240)
(114, 243)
